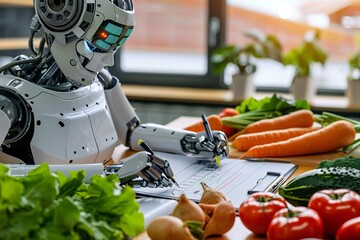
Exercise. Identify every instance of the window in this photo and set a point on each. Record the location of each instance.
(14, 24)
(289, 21)
(171, 43)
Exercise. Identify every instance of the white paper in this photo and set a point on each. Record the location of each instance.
(234, 178)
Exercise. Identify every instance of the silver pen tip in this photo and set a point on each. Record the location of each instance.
(173, 180)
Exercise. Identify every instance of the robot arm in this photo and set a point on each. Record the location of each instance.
(207, 144)
(143, 169)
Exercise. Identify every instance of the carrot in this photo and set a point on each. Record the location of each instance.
(330, 138)
(300, 118)
(245, 141)
(228, 112)
(214, 122)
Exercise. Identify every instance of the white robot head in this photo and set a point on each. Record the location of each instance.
(85, 34)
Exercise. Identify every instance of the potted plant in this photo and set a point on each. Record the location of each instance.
(261, 46)
(353, 79)
(302, 57)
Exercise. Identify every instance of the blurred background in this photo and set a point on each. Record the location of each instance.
(173, 42)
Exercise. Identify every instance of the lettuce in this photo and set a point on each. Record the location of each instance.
(252, 110)
(45, 205)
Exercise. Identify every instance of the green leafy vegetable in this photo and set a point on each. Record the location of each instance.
(252, 110)
(44, 205)
(308, 52)
(262, 46)
(346, 161)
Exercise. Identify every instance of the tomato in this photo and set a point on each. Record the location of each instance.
(335, 207)
(228, 112)
(297, 223)
(229, 131)
(349, 230)
(257, 211)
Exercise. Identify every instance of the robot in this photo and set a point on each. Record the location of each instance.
(62, 106)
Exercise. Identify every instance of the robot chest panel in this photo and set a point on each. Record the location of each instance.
(83, 137)
(78, 130)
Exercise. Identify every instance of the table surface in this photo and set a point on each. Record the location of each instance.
(224, 97)
(238, 231)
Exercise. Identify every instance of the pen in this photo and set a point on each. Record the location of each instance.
(207, 128)
(210, 137)
(145, 147)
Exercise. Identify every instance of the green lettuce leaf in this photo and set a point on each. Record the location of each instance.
(45, 205)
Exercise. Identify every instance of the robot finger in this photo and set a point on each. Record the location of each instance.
(144, 183)
(159, 161)
(208, 145)
(152, 173)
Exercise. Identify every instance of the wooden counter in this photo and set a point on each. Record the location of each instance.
(223, 97)
(20, 3)
(239, 231)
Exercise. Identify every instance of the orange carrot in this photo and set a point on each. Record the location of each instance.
(300, 118)
(330, 138)
(214, 122)
(245, 141)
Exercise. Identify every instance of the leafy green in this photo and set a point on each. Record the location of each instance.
(261, 47)
(252, 110)
(308, 52)
(354, 61)
(354, 64)
(346, 161)
(273, 103)
(44, 205)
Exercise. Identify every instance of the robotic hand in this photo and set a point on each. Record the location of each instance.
(62, 106)
(143, 169)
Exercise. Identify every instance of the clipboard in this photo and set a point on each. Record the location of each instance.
(235, 178)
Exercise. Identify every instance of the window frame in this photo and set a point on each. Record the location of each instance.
(217, 14)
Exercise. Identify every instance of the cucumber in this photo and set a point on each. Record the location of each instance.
(299, 190)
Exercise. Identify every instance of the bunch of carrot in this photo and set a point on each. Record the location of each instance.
(291, 135)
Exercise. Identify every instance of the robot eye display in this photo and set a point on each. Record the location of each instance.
(111, 35)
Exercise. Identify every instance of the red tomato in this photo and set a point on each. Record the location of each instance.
(228, 112)
(297, 223)
(228, 130)
(257, 211)
(349, 230)
(335, 207)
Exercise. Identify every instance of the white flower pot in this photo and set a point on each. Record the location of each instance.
(242, 86)
(353, 92)
(303, 88)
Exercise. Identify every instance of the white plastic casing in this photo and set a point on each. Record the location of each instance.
(159, 138)
(121, 111)
(21, 170)
(69, 127)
